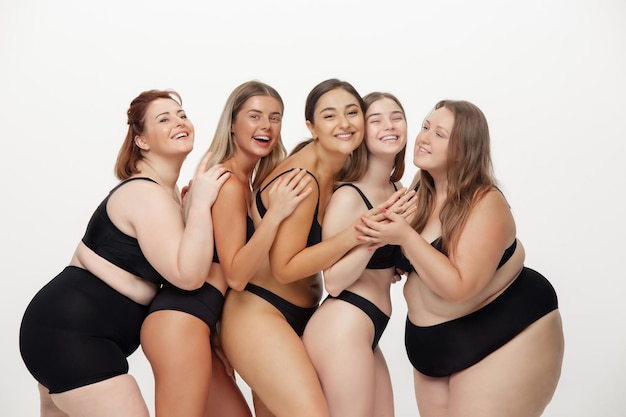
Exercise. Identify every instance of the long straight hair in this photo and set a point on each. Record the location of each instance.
(223, 146)
(470, 173)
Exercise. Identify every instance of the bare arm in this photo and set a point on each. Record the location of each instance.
(241, 260)
(488, 231)
(177, 252)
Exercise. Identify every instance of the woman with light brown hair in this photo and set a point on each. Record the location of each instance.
(483, 331)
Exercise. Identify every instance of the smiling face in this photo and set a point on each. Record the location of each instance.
(167, 129)
(256, 127)
(385, 127)
(338, 122)
(431, 144)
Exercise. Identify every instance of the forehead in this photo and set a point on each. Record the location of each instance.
(262, 103)
(441, 117)
(383, 105)
(337, 98)
(162, 105)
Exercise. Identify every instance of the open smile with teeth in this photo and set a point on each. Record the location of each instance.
(262, 138)
(181, 135)
(389, 138)
(344, 136)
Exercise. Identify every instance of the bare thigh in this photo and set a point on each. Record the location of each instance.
(47, 406)
(271, 358)
(338, 339)
(519, 379)
(118, 396)
(178, 347)
(225, 397)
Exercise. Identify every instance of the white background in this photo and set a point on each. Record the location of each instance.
(549, 75)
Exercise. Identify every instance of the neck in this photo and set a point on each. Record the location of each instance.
(378, 170)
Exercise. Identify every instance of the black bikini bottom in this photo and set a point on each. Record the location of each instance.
(296, 316)
(379, 319)
(205, 302)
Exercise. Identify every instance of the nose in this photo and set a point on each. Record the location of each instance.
(343, 121)
(265, 122)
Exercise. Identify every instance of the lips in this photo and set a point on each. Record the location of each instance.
(344, 136)
(389, 138)
(181, 135)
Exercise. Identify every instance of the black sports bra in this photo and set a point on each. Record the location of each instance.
(315, 233)
(385, 256)
(109, 242)
(249, 233)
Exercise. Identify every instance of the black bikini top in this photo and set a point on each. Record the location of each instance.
(249, 233)
(109, 242)
(315, 232)
(385, 256)
(405, 265)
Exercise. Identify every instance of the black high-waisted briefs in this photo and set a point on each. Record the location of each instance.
(450, 347)
(77, 331)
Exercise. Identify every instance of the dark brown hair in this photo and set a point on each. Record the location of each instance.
(349, 172)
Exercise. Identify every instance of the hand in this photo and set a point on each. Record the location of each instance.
(386, 228)
(287, 192)
(206, 183)
(397, 275)
(216, 344)
(185, 192)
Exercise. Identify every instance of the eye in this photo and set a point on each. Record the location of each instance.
(353, 112)
(424, 127)
(373, 121)
(254, 116)
(164, 120)
(275, 118)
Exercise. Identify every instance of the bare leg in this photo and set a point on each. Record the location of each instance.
(118, 396)
(260, 409)
(48, 408)
(178, 347)
(270, 357)
(519, 379)
(225, 397)
(338, 339)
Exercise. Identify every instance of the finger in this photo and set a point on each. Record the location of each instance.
(394, 198)
(204, 163)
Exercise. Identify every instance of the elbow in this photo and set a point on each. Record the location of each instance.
(190, 286)
(237, 285)
(332, 288)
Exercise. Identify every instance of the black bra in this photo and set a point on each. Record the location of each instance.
(109, 242)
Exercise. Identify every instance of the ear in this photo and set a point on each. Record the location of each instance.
(311, 128)
(141, 143)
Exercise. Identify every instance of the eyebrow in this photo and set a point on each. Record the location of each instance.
(392, 113)
(166, 112)
(259, 111)
(333, 108)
